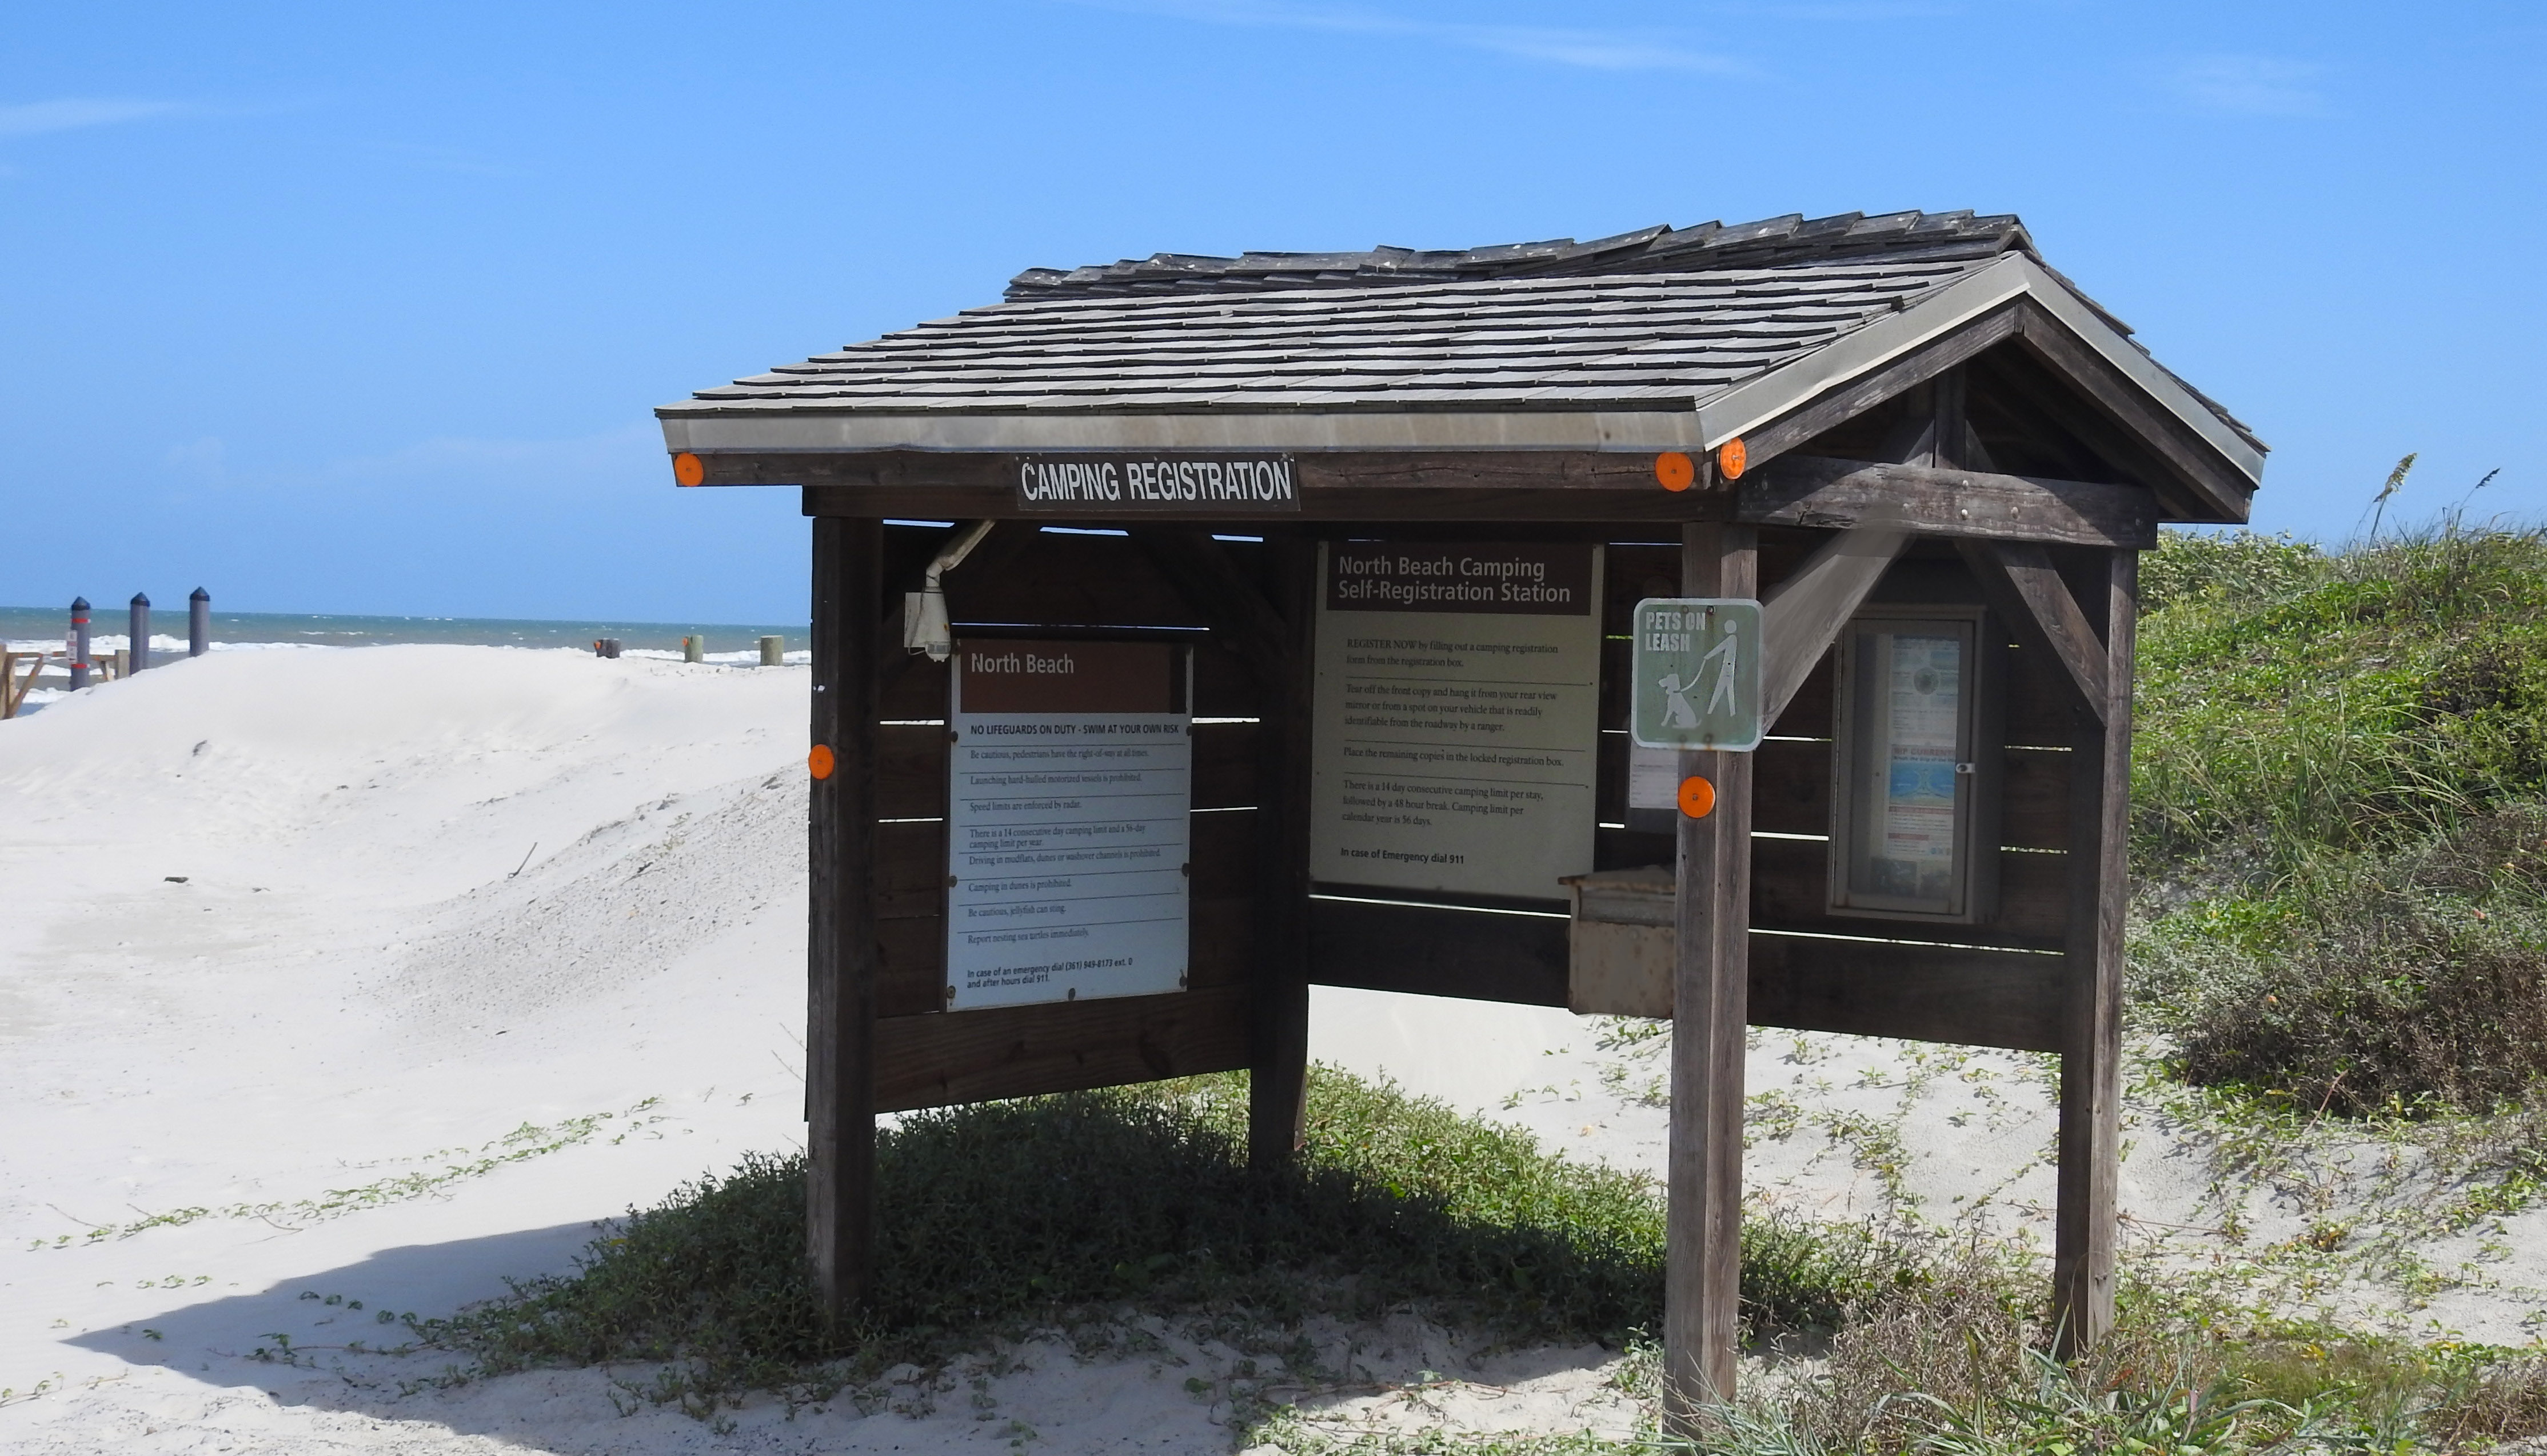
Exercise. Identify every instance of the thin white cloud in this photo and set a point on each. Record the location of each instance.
(71, 114)
(1589, 50)
(2250, 85)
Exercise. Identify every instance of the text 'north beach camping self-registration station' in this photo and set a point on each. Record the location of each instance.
(1727, 623)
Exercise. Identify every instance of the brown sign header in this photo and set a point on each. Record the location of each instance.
(1474, 576)
(1086, 485)
(1067, 677)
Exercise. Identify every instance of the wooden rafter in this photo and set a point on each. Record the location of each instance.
(2026, 589)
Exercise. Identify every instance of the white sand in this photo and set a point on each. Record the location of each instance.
(433, 895)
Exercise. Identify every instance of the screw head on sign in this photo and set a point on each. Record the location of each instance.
(1732, 457)
(1675, 470)
(689, 469)
(819, 761)
(1696, 797)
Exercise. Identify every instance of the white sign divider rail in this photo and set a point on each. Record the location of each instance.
(1069, 797)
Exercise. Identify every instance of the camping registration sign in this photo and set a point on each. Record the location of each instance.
(1697, 665)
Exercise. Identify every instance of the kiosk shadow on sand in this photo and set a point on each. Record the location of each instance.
(317, 1341)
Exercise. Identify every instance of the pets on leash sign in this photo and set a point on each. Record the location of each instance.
(1697, 666)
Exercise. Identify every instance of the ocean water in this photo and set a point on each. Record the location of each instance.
(42, 629)
(27, 628)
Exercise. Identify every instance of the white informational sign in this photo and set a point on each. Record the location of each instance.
(1456, 716)
(1069, 783)
(1653, 777)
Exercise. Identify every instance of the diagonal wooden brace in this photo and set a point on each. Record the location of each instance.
(2023, 586)
(1802, 616)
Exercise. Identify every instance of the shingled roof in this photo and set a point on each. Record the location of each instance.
(1772, 242)
(1662, 338)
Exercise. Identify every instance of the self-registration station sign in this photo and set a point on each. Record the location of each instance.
(1067, 809)
(1456, 716)
(1697, 666)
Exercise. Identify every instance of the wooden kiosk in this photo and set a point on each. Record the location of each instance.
(1327, 560)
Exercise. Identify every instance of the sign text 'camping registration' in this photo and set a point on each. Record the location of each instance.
(1069, 786)
(1103, 484)
(1455, 715)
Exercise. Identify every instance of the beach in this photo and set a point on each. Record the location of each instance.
(343, 984)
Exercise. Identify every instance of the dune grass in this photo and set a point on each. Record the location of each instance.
(2340, 808)
(1046, 1212)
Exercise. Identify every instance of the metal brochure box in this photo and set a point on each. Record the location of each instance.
(1915, 765)
(1618, 945)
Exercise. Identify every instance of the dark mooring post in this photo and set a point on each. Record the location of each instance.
(1279, 1020)
(2100, 778)
(80, 643)
(841, 941)
(140, 632)
(198, 623)
(1711, 992)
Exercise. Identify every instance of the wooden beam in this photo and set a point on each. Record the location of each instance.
(840, 931)
(2084, 1228)
(2025, 588)
(1702, 1238)
(1476, 954)
(1274, 642)
(942, 1057)
(1801, 616)
(2019, 382)
(1802, 490)
(2221, 486)
(1278, 1057)
(1929, 993)
(1765, 443)
(1413, 486)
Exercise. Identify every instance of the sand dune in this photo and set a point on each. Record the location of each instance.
(380, 975)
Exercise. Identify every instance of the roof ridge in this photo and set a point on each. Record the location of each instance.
(1785, 242)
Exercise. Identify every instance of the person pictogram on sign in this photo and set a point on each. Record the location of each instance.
(1723, 698)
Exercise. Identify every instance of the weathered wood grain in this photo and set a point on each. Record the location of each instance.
(1702, 1218)
(2027, 592)
(841, 930)
(950, 1056)
(2085, 1226)
(1803, 490)
(1932, 994)
(1438, 952)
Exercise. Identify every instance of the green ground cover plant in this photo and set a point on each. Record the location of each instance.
(1049, 1212)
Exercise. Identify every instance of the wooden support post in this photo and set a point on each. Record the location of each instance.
(2100, 778)
(841, 950)
(1279, 1021)
(1703, 1260)
(1273, 639)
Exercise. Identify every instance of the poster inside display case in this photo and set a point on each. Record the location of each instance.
(1913, 781)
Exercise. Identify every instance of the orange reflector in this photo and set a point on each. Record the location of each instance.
(1696, 797)
(1674, 469)
(689, 469)
(1732, 457)
(819, 762)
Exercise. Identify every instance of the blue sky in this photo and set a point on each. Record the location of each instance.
(363, 308)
